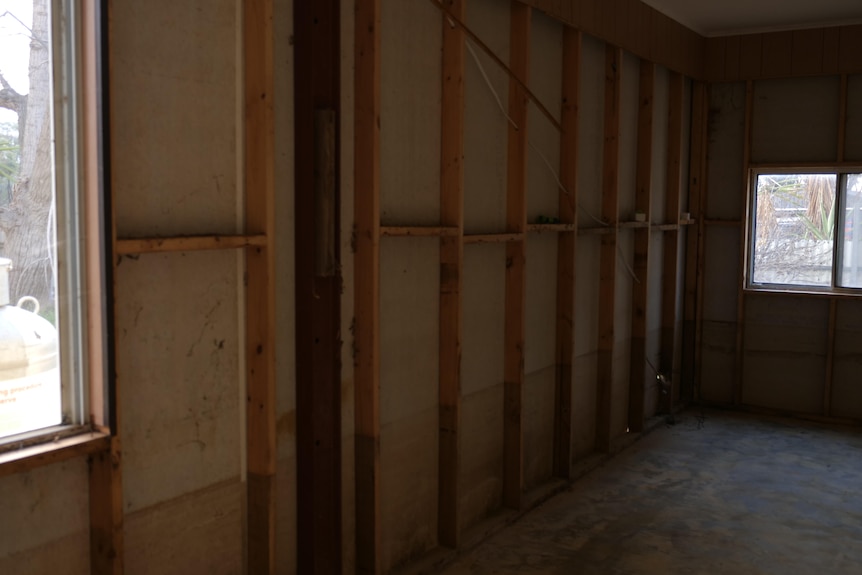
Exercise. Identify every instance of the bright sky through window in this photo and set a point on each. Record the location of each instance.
(14, 47)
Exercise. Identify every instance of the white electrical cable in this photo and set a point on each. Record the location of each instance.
(592, 217)
(550, 167)
(490, 86)
(539, 152)
(530, 142)
(626, 264)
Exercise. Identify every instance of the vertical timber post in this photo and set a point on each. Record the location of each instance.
(451, 273)
(566, 242)
(317, 35)
(260, 292)
(367, 285)
(516, 222)
(639, 369)
(608, 257)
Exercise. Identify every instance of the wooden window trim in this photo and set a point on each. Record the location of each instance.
(53, 451)
(41, 447)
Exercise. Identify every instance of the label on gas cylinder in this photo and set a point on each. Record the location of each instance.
(31, 402)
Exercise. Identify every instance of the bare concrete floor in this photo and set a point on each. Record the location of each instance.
(721, 494)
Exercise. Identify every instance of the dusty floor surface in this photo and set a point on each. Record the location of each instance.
(717, 493)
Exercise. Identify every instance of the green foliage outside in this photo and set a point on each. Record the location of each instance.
(9, 160)
(9, 153)
(796, 219)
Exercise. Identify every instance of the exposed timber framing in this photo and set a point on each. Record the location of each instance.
(366, 361)
(501, 238)
(516, 281)
(829, 377)
(107, 551)
(608, 256)
(566, 243)
(639, 369)
(106, 510)
(455, 20)
(670, 261)
(260, 293)
(696, 186)
(451, 276)
(742, 274)
(418, 231)
(133, 246)
(317, 104)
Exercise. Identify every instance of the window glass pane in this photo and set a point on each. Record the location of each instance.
(850, 272)
(793, 229)
(30, 391)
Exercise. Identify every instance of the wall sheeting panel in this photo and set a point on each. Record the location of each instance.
(484, 305)
(408, 486)
(546, 64)
(718, 351)
(652, 389)
(622, 331)
(785, 353)
(178, 357)
(721, 276)
(410, 113)
(197, 532)
(795, 120)
(623, 287)
(540, 315)
(725, 172)
(409, 331)
(173, 105)
(591, 132)
(486, 128)
(481, 454)
(620, 389)
(584, 405)
(586, 295)
(629, 106)
(45, 526)
(539, 389)
(409, 374)
(853, 145)
(847, 385)
(686, 148)
(654, 279)
(653, 319)
(659, 146)
(482, 381)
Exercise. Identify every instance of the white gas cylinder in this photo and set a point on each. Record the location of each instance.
(30, 392)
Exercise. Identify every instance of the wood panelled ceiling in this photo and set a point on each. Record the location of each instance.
(734, 17)
(731, 41)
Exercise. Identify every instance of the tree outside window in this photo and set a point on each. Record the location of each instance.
(26, 170)
(30, 390)
(807, 231)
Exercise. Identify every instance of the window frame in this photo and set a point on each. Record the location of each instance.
(840, 170)
(79, 118)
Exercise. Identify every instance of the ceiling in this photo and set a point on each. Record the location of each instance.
(727, 17)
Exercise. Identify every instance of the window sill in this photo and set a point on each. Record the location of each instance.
(28, 458)
(847, 293)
